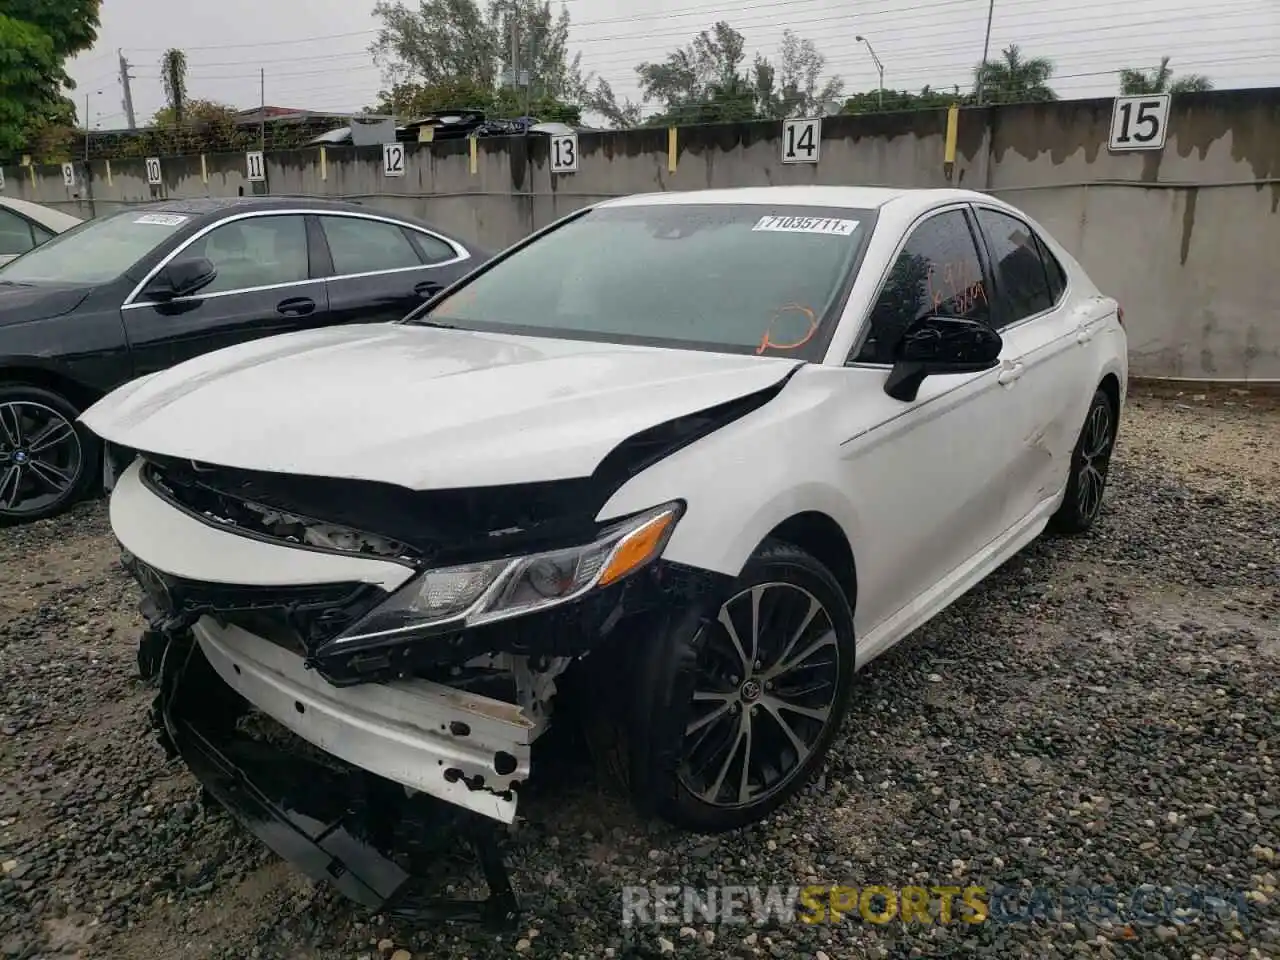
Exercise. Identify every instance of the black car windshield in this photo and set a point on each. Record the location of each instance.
(95, 251)
(741, 278)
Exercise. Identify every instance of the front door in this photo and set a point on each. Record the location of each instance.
(382, 270)
(264, 285)
(934, 472)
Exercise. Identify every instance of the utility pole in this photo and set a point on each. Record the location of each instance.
(128, 92)
(86, 128)
(262, 116)
(986, 50)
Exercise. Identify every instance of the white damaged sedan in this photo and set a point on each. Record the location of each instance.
(684, 461)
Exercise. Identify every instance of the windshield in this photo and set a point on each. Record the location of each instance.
(95, 251)
(735, 278)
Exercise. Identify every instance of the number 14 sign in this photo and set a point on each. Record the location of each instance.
(1139, 123)
(801, 140)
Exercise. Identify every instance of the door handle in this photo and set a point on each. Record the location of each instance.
(428, 288)
(296, 306)
(1084, 335)
(1010, 373)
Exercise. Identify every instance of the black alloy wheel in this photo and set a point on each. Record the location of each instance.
(47, 460)
(772, 684)
(1090, 464)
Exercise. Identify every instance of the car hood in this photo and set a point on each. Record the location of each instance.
(420, 407)
(23, 303)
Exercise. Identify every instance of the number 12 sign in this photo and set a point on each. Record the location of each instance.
(1139, 123)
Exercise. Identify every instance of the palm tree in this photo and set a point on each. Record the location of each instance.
(1159, 81)
(1014, 79)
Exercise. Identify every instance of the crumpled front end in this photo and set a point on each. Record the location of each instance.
(405, 648)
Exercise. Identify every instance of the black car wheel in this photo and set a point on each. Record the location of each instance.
(47, 460)
(772, 680)
(1090, 463)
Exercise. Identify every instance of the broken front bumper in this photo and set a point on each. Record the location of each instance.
(333, 821)
(467, 749)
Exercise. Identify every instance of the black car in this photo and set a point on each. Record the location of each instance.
(134, 292)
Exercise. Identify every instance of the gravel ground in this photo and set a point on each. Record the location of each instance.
(1101, 712)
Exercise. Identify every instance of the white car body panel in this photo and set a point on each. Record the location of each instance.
(55, 221)
(931, 494)
(399, 731)
(419, 407)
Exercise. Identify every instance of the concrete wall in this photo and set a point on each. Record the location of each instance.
(1187, 238)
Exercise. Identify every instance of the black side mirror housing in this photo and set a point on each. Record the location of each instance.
(940, 345)
(181, 278)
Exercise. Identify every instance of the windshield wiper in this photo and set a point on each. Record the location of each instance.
(15, 283)
(438, 324)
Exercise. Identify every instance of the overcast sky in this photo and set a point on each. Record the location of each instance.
(315, 52)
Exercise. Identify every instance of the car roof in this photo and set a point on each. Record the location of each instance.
(45, 216)
(211, 209)
(905, 199)
(209, 206)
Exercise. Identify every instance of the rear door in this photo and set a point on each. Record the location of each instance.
(381, 269)
(265, 285)
(1041, 324)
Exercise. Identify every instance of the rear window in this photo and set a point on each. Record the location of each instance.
(96, 251)
(728, 277)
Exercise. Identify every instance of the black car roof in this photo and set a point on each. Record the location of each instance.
(209, 209)
(208, 206)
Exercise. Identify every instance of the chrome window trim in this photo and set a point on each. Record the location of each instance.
(1066, 287)
(131, 301)
(864, 325)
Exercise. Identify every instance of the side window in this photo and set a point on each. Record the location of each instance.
(15, 234)
(41, 234)
(1021, 282)
(364, 246)
(255, 252)
(938, 273)
(1057, 276)
(432, 249)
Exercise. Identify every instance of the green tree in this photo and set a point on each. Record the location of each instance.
(448, 42)
(36, 38)
(173, 75)
(871, 101)
(707, 80)
(800, 89)
(1160, 80)
(1014, 78)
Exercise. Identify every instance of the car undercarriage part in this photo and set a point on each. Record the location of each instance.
(378, 842)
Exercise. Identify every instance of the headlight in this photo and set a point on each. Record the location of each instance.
(477, 593)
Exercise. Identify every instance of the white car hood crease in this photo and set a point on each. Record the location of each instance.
(419, 407)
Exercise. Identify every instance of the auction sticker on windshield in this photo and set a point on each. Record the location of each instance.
(829, 225)
(162, 219)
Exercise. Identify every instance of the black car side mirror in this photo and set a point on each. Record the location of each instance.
(940, 345)
(182, 278)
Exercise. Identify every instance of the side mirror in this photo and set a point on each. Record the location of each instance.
(182, 278)
(940, 345)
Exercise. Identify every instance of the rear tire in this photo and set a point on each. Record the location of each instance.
(758, 705)
(48, 461)
(1090, 464)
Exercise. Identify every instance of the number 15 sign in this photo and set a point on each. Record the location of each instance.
(1139, 123)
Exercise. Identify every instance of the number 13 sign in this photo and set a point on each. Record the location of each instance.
(1139, 123)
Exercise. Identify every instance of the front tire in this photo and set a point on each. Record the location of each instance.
(48, 461)
(1090, 464)
(772, 675)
